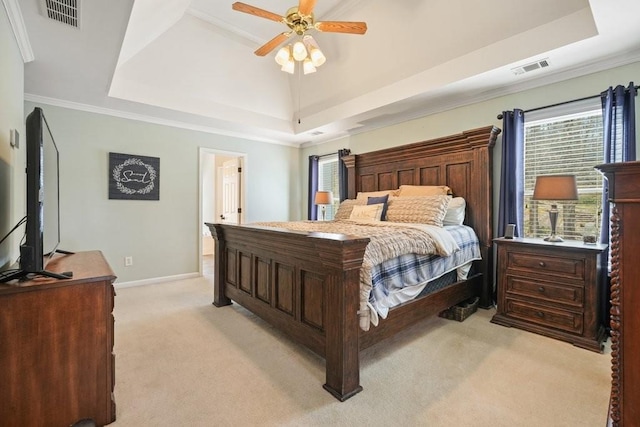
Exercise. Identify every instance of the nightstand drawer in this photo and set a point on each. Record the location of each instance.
(543, 264)
(545, 291)
(545, 316)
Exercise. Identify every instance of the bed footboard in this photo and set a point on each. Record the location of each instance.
(305, 284)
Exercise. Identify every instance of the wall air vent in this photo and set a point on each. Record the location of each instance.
(64, 11)
(543, 63)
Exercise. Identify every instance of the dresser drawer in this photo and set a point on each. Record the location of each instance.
(545, 291)
(558, 266)
(545, 316)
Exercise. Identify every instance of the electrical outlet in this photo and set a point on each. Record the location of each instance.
(128, 261)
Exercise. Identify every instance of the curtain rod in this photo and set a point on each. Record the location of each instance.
(500, 116)
(324, 155)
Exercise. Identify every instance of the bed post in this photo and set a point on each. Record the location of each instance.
(482, 141)
(219, 298)
(350, 163)
(342, 347)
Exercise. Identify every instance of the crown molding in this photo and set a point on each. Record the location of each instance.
(148, 119)
(228, 30)
(19, 29)
(549, 79)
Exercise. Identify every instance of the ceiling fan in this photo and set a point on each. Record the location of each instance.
(299, 19)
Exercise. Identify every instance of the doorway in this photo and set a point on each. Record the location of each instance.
(221, 197)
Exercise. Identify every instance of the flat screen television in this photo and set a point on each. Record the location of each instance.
(42, 230)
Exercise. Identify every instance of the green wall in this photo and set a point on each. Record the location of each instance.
(474, 116)
(161, 236)
(11, 117)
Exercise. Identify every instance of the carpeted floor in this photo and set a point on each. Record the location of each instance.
(180, 361)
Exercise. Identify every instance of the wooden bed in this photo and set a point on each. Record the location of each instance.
(307, 284)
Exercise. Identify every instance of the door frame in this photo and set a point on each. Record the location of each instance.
(212, 151)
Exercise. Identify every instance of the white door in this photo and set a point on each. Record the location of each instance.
(231, 209)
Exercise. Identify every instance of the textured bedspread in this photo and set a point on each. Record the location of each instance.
(387, 240)
(401, 279)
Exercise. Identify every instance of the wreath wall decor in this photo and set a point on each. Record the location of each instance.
(134, 177)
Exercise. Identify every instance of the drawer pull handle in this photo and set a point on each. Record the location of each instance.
(542, 264)
(541, 289)
(540, 314)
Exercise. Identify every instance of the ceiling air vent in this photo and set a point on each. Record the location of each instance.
(317, 133)
(543, 63)
(64, 11)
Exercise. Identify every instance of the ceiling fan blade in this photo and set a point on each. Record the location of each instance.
(272, 44)
(342, 27)
(305, 7)
(252, 10)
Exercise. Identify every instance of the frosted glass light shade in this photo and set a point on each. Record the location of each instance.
(283, 55)
(299, 51)
(289, 66)
(317, 57)
(308, 66)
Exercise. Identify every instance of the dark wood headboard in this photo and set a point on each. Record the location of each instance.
(462, 161)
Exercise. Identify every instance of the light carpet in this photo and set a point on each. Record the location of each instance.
(180, 361)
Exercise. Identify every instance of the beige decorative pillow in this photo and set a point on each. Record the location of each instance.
(455, 212)
(364, 196)
(368, 212)
(423, 190)
(418, 210)
(345, 208)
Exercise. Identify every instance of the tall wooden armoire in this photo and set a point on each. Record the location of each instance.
(624, 196)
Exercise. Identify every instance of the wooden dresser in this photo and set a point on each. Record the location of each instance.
(624, 195)
(552, 289)
(56, 346)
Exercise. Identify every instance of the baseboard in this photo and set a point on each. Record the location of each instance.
(155, 280)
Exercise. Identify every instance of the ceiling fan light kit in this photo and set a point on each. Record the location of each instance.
(299, 20)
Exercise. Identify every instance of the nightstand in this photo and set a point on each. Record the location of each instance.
(552, 289)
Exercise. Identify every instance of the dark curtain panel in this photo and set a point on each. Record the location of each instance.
(511, 204)
(619, 134)
(312, 212)
(343, 185)
(619, 126)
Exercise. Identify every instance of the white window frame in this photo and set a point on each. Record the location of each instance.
(583, 217)
(330, 210)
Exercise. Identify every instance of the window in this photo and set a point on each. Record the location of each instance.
(328, 181)
(564, 144)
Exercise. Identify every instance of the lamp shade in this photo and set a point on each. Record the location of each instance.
(308, 66)
(555, 187)
(324, 198)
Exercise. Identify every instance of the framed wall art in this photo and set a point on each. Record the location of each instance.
(133, 177)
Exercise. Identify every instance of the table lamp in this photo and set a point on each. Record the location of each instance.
(323, 198)
(555, 187)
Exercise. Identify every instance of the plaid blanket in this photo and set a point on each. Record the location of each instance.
(402, 278)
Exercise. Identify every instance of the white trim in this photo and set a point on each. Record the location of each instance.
(228, 30)
(147, 119)
(156, 280)
(19, 29)
(243, 191)
(561, 112)
(440, 107)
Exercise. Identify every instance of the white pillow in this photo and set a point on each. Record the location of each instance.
(455, 212)
(367, 212)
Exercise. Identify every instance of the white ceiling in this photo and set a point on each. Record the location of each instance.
(190, 63)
